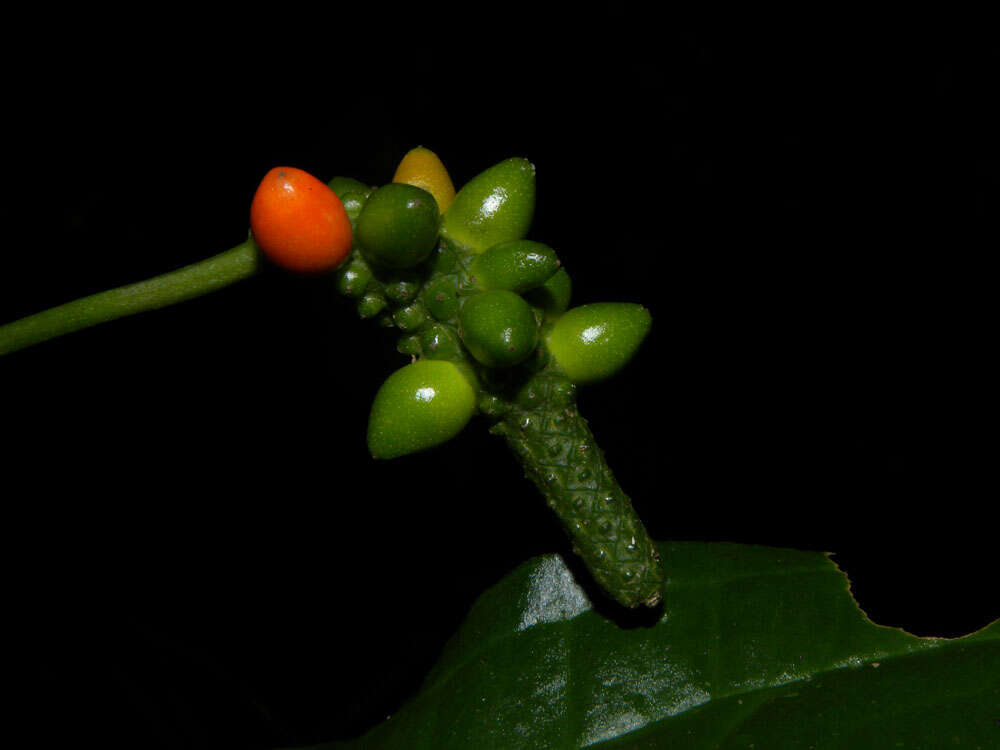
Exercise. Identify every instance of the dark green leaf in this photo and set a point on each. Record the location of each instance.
(755, 648)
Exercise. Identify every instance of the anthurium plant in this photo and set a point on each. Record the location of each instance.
(745, 647)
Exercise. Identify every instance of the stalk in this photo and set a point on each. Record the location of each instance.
(167, 289)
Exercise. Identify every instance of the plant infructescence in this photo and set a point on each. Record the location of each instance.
(482, 311)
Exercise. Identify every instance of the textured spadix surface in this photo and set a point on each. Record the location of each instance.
(755, 648)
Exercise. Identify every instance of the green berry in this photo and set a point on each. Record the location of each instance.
(419, 406)
(353, 278)
(354, 202)
(443, 261)
(516, 266)
(371, 304)
(344, 185)
(398, 227)
(493, 207)
(410, 318)
(440, 342)
(593, 342)
(441, 298)
(402, 289)
(552, 297)
(409, 344)
(498, 328)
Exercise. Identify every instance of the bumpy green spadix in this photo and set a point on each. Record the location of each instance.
(419, 406)
(493, 207)
(516, 266)
(593, 342)
(398, 226)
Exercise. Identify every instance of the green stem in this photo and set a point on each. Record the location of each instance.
(185, 283)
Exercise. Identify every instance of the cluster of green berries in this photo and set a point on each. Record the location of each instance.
(480, 309)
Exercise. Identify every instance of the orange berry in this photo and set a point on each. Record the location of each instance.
(299, 223)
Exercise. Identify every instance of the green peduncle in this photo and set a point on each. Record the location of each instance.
(182, 284)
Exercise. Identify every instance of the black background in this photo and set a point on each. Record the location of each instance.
(203, 552)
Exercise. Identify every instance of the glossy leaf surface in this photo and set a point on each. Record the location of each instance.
(755, 648)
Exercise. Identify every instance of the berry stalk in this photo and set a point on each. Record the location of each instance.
(167, 289)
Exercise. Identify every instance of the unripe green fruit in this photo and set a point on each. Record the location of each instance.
(371, 304)
(516, 266)
(398, 227)
(354, 202)
(409, 344)
(552, 297)
(410, 318)
(402, 289)
(353, 279)
(498, 328)
(344, 185)
(441, 298)
(593, 342)
(493, 207)
(440, 342)
(443, 261)
(419, 406)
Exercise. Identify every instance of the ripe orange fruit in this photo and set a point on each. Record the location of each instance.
(299, 223)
